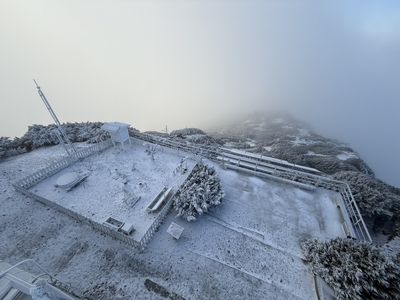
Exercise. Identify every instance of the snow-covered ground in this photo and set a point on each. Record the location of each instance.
(121, 185)
(312, 153)
(246, 248)
(346, 155)
(267, 148)
(302, 141)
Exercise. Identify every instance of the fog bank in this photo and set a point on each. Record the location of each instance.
(190, 63)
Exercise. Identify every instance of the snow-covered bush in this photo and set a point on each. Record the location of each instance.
(43, 135)
(200, 191)
(151, 150)
(372, 195)
(378, 201)
(353, 269)
(198, 139)
(187, 131)
(192, 135)
(4, 145)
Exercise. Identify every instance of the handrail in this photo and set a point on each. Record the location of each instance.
(278, 170)
(25, 261)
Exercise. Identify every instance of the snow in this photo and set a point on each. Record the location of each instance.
(268, 158)
(175, 230)
(312, 153)
(116, 176)
(304, 132)
(267, 148)
(229, 145)
(196, 138)
(346, 155)
(268, 219)
(251, 143)
(248, 247)
(301, 141)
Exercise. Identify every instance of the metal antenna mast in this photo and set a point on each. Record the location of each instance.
(62, 136)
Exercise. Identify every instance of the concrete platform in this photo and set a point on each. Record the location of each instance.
(121, 185)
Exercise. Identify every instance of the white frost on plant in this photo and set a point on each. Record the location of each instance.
(201, 191)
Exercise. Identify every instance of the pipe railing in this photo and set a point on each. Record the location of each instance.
(264, 167)
(277, 169)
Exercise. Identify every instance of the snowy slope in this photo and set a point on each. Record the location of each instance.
(247, 248)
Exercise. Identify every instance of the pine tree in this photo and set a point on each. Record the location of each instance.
(201, 191)
(354, 270)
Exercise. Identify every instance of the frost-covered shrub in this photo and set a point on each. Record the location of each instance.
(200, 191)
(198, 139)
(151, 150)
(353, 269)
(378, 201)
(186, 131)
(372, 195)
(192, 135)
(43, 135)
(4, 145)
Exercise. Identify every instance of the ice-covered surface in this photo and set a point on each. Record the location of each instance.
(246, 248)
(121, 185)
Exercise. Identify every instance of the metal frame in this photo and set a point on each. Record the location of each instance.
(62, 136)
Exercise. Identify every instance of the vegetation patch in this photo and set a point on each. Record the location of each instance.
(353, 269)
(201, 191)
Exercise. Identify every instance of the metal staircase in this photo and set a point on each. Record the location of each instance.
(17, 284)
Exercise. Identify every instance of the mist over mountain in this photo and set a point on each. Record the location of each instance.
(271, 128)
(191, 63)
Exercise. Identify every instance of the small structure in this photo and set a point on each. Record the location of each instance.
(175, 230)
(69, 180)
(16, 283)
(160, 200)
(118, 131)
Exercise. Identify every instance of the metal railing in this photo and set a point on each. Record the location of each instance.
(269, 167)
(23, 185)
(59, 164)
(262, 166)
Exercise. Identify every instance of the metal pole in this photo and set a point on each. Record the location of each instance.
(70, 147)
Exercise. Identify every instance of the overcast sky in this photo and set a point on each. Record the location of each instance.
(334, 64)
